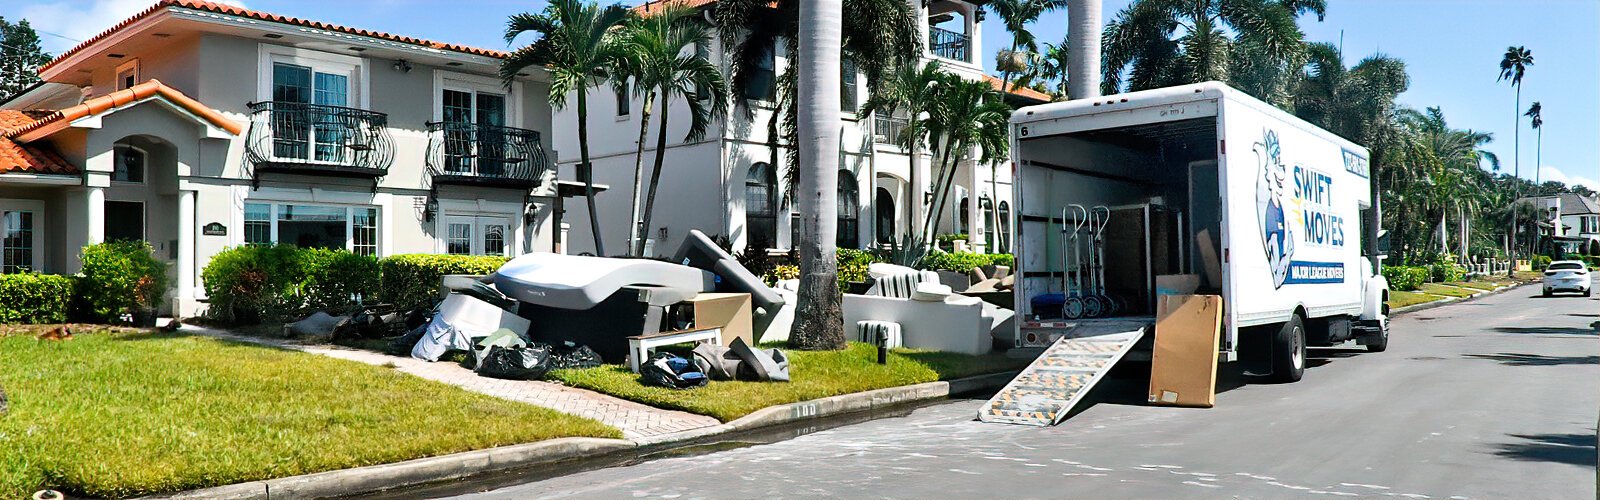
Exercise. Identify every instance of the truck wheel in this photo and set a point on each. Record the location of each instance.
(1382, 344)
(1289, 351)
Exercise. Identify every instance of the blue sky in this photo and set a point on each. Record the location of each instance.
(1452, 49)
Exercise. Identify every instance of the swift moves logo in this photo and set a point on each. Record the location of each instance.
(1278, 205)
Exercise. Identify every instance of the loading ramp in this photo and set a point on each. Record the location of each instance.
(1083, 352)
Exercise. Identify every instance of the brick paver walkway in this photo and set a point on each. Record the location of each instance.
(634, 419)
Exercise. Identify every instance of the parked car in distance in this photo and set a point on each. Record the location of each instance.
(1567, 276)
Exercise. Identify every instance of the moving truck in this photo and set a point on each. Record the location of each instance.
(1201, 187)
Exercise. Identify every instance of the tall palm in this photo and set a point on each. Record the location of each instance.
(910, 90)
(966, 114)
(1161, 43)
(574, 45)
(653, 54)
(1015, 16)
(1513, 66)
(1535, 116)
(1083, 32)
(819, 323)
(1054, 64)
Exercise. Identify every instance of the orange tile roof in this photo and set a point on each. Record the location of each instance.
(653, 4)
(1019, 91)
(50, 123)
(264, 16)
(28, 158)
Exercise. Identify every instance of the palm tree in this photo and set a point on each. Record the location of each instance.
(1015, 15)
(819, 323)
(965, 114)
(912, 90)
(1054, 65)
(1513, 66)
(1083, 19)
(574, 45)
(1535, 116)
(653, 54)
(1266, 44)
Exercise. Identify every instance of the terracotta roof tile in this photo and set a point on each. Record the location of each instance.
(264, 16)
(1019, 91)
(656, 4)
(54, 121)
(28, 158)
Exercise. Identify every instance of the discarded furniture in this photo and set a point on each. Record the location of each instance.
(699, 251)
(728, 311)
(462, 318)
(870, 331)
(940, 322)
(639, 346)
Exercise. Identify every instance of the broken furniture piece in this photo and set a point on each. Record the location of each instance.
(639, 346)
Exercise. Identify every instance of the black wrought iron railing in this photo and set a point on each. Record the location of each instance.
(301, 137)
(467, 152)
(888, 129)
(949, 44)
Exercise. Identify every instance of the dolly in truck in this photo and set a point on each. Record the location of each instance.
(1197, 187)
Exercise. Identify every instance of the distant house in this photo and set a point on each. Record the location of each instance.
(198, 126)
(1570, 220)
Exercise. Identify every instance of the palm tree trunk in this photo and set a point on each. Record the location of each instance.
(1005, 76)
(1516, 162)
(655, 172)
(819, 322)
(941, 188)
(636, 233)
(1083, 57)
(1538, 154)
(588, 182)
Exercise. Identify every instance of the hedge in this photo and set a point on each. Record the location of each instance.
(333, 277)
(963, 262)
(412, 280)
(34, 298)
(120, 277)
(1406, 278)
(251, 283)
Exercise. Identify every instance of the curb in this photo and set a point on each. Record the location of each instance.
(375, 478)
(1452, 300)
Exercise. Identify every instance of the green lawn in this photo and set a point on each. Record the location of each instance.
(116, 414)
(814, 375)
(1399, 299)
(1475, 285)
(1446, 290)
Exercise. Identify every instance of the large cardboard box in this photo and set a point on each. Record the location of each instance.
(1183, 369)
(728, 311)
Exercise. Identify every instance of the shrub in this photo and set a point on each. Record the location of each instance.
(853, 265)
(1442, 268)
(332, 277)
(781, 272)
(120, 277)
(1594, 247)
(246, 284)
(962, 262)
(1406, 278)
(34, 298)
(412, 280)
(1540, 262)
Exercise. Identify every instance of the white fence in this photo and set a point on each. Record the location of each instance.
(1487, 266)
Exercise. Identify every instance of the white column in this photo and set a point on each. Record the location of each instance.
(186, 245)
(96, 201)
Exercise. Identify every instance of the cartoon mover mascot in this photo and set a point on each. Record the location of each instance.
(1270, 192)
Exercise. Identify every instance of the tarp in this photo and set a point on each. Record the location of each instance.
(462, 318)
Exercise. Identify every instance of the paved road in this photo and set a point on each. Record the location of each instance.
(1495, 398)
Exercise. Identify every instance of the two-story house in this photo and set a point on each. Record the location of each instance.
(1571, 220)
(198, 126)
(731, 183)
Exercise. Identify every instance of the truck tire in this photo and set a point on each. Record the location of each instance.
(1289, 351)
(1382, 344)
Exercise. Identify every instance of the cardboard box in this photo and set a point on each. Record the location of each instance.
(728, 311)
(1183, 368)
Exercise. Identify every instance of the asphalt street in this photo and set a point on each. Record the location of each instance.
(1493, 398)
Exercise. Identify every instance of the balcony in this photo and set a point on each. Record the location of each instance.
(949, 44)
(887, 129)
(301, 138)
(488, 155)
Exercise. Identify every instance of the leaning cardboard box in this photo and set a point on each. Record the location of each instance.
(1183, 368)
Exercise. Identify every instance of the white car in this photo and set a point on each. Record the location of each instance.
(1567, 276)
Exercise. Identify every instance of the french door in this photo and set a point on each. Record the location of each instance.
(309, 121)
(474, 141)
(475, 235)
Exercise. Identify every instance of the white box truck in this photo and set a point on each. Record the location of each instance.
(1209, 184)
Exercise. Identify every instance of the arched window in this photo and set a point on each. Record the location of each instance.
(1005, 227)
(761, 207)
(849, 214)
(963, 218)
(986, 206)
(885, 216)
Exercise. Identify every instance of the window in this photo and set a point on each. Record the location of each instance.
(473, 141)
(762, 83)
(1005, 227)
(128, 74)
(18, 245)
(964, 217)
(624, 99)
(702, 49)
(124, 220)
(313, 226)
(305, 119)
(471, 235)
(987, 207)
(847, 85)
(128, 165)
(885, 216)
(849, 214)
(1591, 224)
(761, 207)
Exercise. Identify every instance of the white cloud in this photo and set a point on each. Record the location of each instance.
(1549, 173)
(81, 19)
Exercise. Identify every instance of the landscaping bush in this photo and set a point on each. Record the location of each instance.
(34, 298)
(853, 265)
(333, 277)
(1540, 262)
(412, 280)
(963, 262)
(246, 284)
(120, 277)
(781, 272)
(1406, 278)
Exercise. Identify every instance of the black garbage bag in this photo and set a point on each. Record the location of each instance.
(401, 345)
(516, 363)
(665, 369)
(570, 355)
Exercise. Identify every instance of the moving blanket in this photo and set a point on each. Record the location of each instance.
(460, 319)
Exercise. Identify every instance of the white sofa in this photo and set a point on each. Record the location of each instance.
(956, 324)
